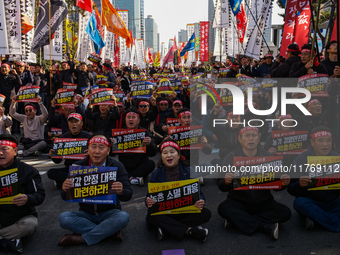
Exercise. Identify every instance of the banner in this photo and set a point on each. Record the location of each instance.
(140, 53)
(204, 46)
(191, 54)
(324, 172)
(315, 83)
(124, 14)
(84, 40)
(69, 148)
(3, 31)
(28, 93)
(141, 89)
(128, 141)
(13, 21)
(296, 27)
(165, 87)
(57, 46)
(2, 99)
(108, 50)
(102, 96)
(254, 173)
(219, 46)
(290, 142)
(174, 197)
(92, 185)
(64, 96)
(241, 23)
(120, 97)
(221, 17)
(69, 86)
(58, 12)
(56, 131)
(188, 137)
(227, 97)
(9, 186)
(172, 122)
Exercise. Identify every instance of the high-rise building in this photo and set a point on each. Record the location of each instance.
(142, 26)
(211, 12)
(151, 33)
(134, 15)
(182, 36)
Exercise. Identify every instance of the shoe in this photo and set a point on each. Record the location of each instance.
(118, 236)
(226, 224)
(200, 234)
(200, 180)
(16, 245)
(160, 234)
(309, 224)
(137, 181)
(37, 153)
(272, 230)
(70, 239)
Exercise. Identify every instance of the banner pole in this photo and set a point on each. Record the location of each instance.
(315, 25)
(49, 28)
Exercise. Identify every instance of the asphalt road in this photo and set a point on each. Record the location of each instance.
(293, 238)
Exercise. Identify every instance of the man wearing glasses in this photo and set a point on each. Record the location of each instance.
(33, 140)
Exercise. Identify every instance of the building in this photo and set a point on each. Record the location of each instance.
(142, 26)
(211, 12)
(151, 34)
(182, 36)
(135, 21)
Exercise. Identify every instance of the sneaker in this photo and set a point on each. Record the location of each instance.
(309, 224)
(272, 230)
(37, 153)
(200, 180)
(160, 234)
(137, 181)
(200, 234)
(16, 245)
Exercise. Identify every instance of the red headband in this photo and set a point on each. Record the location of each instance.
(5, 64)
(163, 102)
(99, 140)
(247, 129)
(312, 101)
(8, 143)
(184, 113)
(143, 102)
(70, 106)
(106, 68)
(306, 50)
(322, 133)
(171, 144)
(288, 116)
(31, 107)
(291, 50)
(178, 102)
(132, 113)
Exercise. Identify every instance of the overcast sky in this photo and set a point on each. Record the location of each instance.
(173, 15)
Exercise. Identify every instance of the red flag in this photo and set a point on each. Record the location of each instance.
(296, 28)
(204, 38)
(333, 38)
(170, 56)
(116, 57)
(85, 5)
(150, 56)
(241, 20)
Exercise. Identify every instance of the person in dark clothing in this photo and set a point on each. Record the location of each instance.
(75, 124)
(104, 120)
(9, 80)
(66, 73)
(53, 84)
(245, 67)
(95, 222)
(85, 78)
(153, 71)
(160, 127)
(201, 69)
(263, 71)
(320, 206)
(147, 113)
(171, 169)
(193, 69)
(138, 165)
(126, 80)
(251, 210)
(234, 70)
(306, 65)
(19, 218)
(283, 70)
(209, 131)
(332, 60)
(111, 78)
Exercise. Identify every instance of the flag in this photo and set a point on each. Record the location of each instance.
(26, 24)
(113, 22)
(94, 35)
(179, 55)
(170, 56)
(85, 5)
(189, 46)
(150, 56)
(157, 60)
(71, 38)
(235, 6)
(197, 43)
(333, 38)
(58, 13)
(241, 22)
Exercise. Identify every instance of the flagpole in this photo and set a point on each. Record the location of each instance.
(49, 28)
(338, 31)
(315, 27)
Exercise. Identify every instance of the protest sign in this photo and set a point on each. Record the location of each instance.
(69, 148)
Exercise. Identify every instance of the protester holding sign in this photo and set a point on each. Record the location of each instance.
(111, 78)
(138, 165)
(320, 206)
(75, 124)
(5, 122)
(171, 169)
(94, 222)
(21, 190)
(33, 140)
(251, 210)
